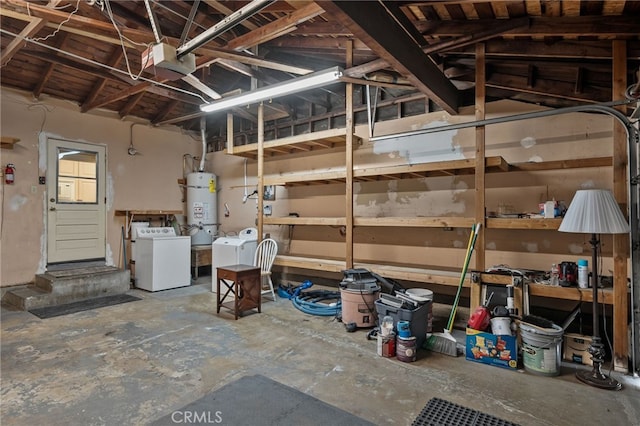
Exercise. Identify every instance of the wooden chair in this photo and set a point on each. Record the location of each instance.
(265, 255)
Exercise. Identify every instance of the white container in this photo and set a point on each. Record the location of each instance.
(501, 326)
(549, 210)
(583, 273)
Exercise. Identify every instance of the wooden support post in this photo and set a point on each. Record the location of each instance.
(260, 171)
(480, 170)
(620, 241)
(229, 133)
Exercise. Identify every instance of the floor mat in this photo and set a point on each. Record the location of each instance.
(439, 412)
(258, 400)
(83, 305)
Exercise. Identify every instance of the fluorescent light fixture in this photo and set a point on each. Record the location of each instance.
(306, 82)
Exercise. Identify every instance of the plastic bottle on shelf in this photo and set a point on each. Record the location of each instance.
(554, 278)
(583, 273)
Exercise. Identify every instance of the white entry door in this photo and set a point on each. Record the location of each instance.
(76, 207)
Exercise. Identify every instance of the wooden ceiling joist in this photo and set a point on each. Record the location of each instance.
(380, 32)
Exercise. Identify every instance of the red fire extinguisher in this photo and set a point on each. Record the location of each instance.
(10, 174)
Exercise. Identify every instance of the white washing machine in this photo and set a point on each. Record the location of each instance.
(163, 259)
(227, 251)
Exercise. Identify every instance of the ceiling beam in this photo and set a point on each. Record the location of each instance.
(35, 25)
(220, 7)
(456, 43)
(276, 28)
(583, 26)
(383, 35)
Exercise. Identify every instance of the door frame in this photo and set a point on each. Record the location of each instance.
(51, 172)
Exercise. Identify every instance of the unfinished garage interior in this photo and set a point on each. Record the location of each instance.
(448, 189)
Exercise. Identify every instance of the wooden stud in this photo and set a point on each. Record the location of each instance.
(620, 241)
(479, 171)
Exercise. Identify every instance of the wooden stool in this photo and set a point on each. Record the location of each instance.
(244, 283)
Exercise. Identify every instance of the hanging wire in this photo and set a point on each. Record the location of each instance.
(59, 25)
(122, 44)
(98, 64)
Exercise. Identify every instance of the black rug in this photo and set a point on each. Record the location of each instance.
(83, 305)
(439, 412)
(258, 400)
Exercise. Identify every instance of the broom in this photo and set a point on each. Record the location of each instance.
(444, 342)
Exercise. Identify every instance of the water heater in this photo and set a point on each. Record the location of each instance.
(202, 207)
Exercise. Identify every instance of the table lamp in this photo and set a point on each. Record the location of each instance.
(595, 211)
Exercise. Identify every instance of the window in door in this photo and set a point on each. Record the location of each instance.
(77, 176)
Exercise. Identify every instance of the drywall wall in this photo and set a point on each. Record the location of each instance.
(147, 181)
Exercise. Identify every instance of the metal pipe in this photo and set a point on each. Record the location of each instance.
(203, 135)
(226, 24)
(604, 108)
(369, 111)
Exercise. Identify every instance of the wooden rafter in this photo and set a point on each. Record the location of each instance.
(382, 34)
(37, 91)
(113, 61)
(17, 43)
(131, 104)
(165, 111)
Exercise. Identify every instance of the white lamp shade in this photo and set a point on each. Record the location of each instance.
(594, 211)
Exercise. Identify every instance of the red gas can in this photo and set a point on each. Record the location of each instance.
(480, 319)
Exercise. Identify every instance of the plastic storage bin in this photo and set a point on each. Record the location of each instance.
(418, 318)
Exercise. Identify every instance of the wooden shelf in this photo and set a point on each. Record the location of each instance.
(465, 166)
(418, 222)
(571, 293)
(398, 272)
(308, 142)
(147, 212)
(561, 164)
(515, 223)
(313, 263)
(373, 174)
(406, 222)
(130, 214)
(299, 179)
(8, 142)
(291, 220)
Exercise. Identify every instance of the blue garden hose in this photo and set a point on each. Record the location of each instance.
(310, 302)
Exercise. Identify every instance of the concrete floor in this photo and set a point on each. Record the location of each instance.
(136, 362)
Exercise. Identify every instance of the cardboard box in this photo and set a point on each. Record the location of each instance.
(487, 348)
(576, 348)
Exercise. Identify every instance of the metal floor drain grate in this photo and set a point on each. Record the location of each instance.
(439, 412)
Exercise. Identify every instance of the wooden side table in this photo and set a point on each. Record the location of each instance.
(200, 256)
(243, 283)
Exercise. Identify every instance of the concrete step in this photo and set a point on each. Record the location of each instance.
(61, 287)
(26, 298)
